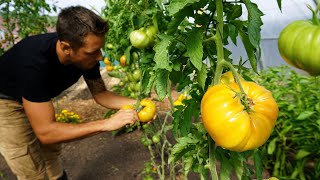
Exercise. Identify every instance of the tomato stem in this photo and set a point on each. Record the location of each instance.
(315, 19)
(218, 39)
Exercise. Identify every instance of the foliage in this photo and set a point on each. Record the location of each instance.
(292, 151)
(189, 54)
(24, 17)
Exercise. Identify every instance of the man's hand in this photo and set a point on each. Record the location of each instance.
(120, 119)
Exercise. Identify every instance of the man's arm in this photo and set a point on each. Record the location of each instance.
(42, 119)
(106, 98)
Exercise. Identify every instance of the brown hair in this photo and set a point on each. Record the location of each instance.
(75, 22)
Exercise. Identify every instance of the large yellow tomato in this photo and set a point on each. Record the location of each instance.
(233, 126)
(148, 111)
(227, 78)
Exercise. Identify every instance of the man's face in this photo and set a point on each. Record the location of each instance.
(89, 54)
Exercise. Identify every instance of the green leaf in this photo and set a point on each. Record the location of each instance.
(185, 125)
(162, 54)
(272, 146)
(301, 154)
(181, 147)
(202, 76)
(188, 162)
(305, 115)
(226, 168)
(176, 5)
(128, 54)
(161, 83)
(195, 48)
(233, 33)
(237, 162)
(250, 50)
(255, 22)
(147, 82)
(258, 164)
(279, 4)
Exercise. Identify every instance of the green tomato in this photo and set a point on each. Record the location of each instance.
(139, 39)
(145, 126)
(132, 86)
(135, 56)
(151, 33)
(156, 139)
(299, 44)
(136, 74)
(110, 46)
(137, 86)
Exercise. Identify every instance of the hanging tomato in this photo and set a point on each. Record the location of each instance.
(299, 44)
(236, 122)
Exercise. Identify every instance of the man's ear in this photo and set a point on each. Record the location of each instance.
(65, 47)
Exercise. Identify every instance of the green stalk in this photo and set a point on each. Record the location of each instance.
(218, 40)
(220, 56)
(315, 19)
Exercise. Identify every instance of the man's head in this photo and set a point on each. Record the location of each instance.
(81, 36)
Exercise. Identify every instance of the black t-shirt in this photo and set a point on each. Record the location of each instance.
(31, 69)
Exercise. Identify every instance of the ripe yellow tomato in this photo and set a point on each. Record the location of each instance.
(109, 68)
(149, 110)
(227, 78)
(123, 60)
(107, 61)
(230, 124)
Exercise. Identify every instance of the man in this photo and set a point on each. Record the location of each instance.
(39, 68)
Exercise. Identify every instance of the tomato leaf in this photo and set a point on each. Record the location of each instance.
(255, 22)
(250, 50)
(202, 76)
(272, 146)
(181, 147)
(195, 48)
(301, 154)
(237, 162)
(161, 83)
(176, 5)
(279, 4)
(188, 162)
(305, 115)
(162, 54)
(147, 82)
(258, 163)
(128, 54)
(233, 33)
(185, 125)
(226, 168)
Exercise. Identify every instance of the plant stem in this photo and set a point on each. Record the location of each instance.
(220, 57)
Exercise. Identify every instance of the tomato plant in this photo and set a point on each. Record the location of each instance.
(298, 44)
(22, 18)
(188, 55)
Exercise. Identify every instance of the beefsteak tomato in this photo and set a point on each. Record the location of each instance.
(299, 44)
(230, 123)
